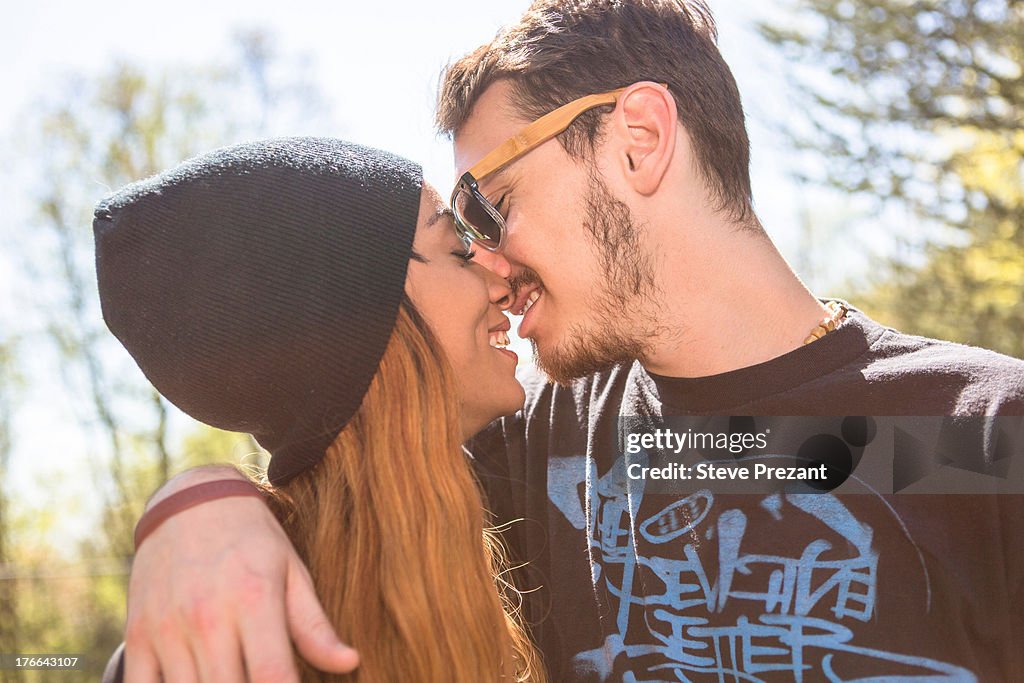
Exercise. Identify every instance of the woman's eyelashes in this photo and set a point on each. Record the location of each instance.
(464, 255)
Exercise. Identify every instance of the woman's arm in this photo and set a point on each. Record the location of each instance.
(217, 593)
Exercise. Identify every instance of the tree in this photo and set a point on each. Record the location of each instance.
(918, 103)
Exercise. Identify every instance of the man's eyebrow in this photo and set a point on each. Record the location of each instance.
(446, 212)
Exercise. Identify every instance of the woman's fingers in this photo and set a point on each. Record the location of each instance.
(265, 643)
(140, 664)
(175, 661)
(313, 633)
(216, 650)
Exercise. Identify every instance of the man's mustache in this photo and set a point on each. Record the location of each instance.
(524, 279)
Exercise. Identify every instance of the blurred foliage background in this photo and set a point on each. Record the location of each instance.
(920, 104)
(911, 106)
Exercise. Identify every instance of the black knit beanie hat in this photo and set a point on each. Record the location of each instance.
(257, 286)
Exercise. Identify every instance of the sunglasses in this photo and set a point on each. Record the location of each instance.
(479, 222)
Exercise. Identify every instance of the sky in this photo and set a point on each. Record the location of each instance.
(378, 65)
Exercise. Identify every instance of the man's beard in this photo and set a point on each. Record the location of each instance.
(616, 329)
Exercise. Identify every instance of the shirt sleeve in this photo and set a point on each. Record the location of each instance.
(114, 673)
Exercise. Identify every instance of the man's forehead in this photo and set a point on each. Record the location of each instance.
(492, 120)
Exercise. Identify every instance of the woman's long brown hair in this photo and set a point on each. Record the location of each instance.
(391, 526)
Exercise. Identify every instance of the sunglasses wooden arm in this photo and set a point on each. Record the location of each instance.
(539, 132)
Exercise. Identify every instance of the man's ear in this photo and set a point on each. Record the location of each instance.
(646, 118)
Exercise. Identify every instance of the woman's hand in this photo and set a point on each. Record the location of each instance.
(218, 594)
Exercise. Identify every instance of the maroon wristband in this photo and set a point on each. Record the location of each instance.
(190, 497)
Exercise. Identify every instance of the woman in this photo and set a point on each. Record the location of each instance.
(313, 293)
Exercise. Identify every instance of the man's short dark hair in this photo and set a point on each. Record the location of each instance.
(563, 49)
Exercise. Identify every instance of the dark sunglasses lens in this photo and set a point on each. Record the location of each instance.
(479, 221)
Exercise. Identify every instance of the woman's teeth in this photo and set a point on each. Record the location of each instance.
(531, 300)
(499, 340)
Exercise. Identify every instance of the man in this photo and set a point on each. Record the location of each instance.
(650, 290)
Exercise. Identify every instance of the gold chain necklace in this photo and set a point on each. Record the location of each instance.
(836, 314)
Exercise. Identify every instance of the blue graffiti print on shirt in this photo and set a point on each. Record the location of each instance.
(747, 617)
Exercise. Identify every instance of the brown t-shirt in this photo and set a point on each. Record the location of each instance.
(651, 581)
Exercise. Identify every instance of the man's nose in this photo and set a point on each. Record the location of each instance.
(494, 262)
